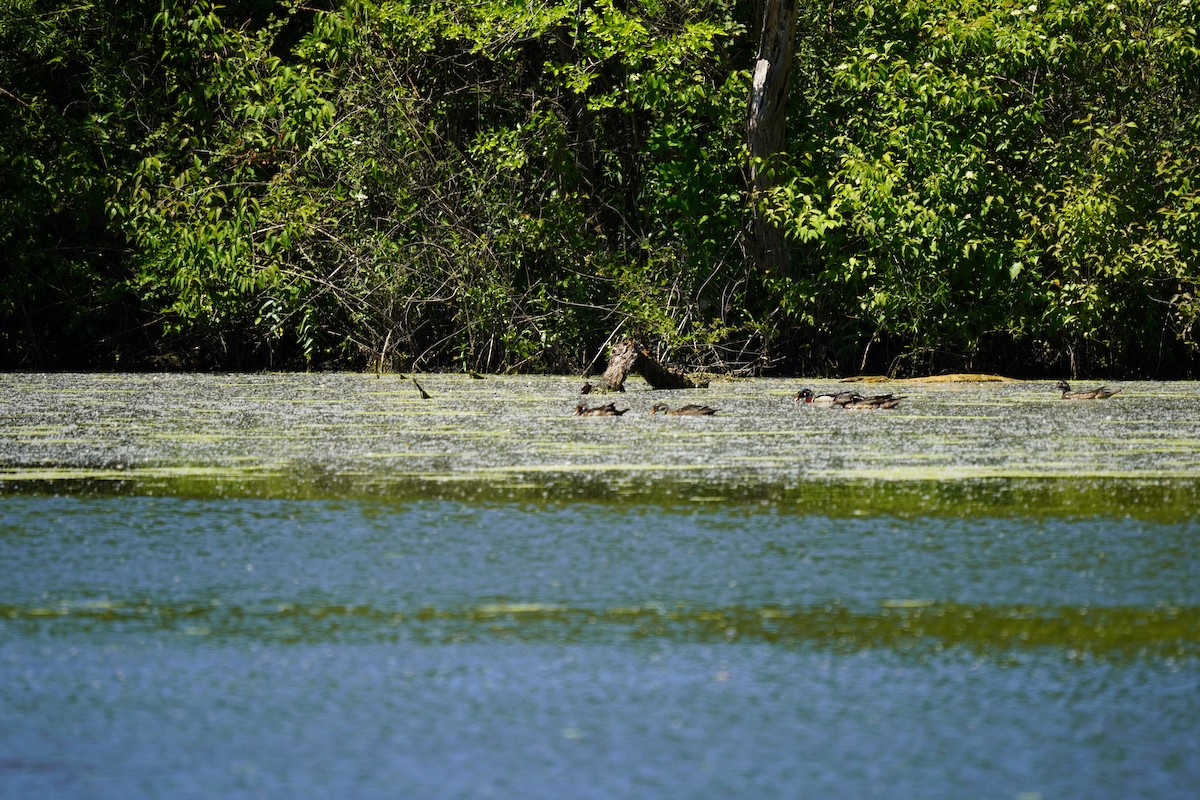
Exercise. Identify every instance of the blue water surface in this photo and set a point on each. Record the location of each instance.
(167, 647)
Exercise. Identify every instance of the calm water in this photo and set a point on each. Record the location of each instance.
(313, 586)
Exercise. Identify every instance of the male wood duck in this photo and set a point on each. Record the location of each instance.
(1099, 393)
(834, 398)
(607, 410)
(691, 410)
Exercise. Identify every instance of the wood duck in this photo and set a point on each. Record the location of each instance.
(1099, 393)
(835, 398)
(689, 410)
(852, 400)
(879, 401)
(607, 410)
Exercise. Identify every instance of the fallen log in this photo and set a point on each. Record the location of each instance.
(628, 357)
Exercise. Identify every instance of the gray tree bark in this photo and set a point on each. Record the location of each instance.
(628, 356)
(766, 124)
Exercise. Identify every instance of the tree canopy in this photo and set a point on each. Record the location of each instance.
(509, 185)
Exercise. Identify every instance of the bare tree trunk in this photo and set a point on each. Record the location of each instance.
(628, 356)
(766, 123)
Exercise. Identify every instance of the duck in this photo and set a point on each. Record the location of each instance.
(875, 402)
(691, 409)
(836, 398)
(608, 410)
(1099, 393)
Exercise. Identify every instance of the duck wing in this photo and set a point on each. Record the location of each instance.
(695, 410)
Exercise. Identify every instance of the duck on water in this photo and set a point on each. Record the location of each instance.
(690, 410)
(1099, 393)
(607, 410)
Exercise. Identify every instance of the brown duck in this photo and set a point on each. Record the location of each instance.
(607, 410)
(1099, 393)
(691, 410)
(873, 403)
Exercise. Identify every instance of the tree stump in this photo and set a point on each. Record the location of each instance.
(629, 357)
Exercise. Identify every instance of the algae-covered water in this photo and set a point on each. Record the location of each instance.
(322, 585)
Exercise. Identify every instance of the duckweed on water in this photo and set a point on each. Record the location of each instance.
(309, 435)
(905, 626)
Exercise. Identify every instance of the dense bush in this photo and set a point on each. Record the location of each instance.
(70, 90)
(508, 185)
(983, 175)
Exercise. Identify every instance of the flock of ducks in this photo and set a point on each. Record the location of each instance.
(611, 410)
(850, 400)
(847, 400)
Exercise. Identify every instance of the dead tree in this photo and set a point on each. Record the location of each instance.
(628, 357)
(765, 127)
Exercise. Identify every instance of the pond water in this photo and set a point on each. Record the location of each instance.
(322, 585)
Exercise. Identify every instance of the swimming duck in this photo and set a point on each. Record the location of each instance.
(607, 410)
(879, 401)
(1099, 393)
(691, 409)
(835, 398)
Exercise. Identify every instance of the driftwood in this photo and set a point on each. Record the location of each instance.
(630, 357)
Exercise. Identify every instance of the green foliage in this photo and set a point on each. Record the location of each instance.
(505, 184)
(218, 206)
(356, 198)
(70, 84)
(1000, 172)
